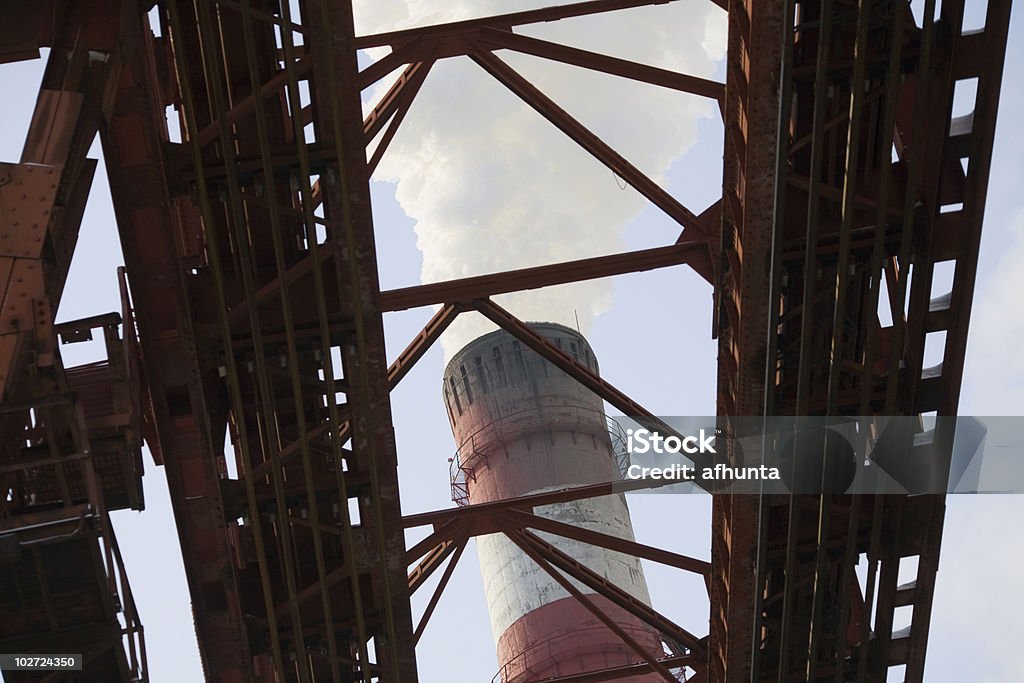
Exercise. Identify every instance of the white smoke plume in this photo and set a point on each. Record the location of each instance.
(493, 186)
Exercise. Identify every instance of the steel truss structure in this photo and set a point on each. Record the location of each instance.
(250, 255)
(870, 183)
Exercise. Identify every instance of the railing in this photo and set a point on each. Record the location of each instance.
(132, 633)
(85, 523)
(78, 459)
(83, 445)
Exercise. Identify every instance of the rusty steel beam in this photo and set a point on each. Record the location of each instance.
(521, 539)
(579, 571)
(398, 97)
(415, 50)
(823, 563)
(44, 196)
(581, 373)
(25, 27)
(470, 38)
(42, 200)
(435, 597)
(477, 38)
(423, 48)
(600, 150)
(27, 199)
(291, 450)
(245, 105)
(451, 535)
(749, 167)
(332, 39)
(397, 371)
(135, 150)
(502, 21)
(437, 517)
(584, 375)
(467, 290)
(419, 346)
(220, 227)
(292, 274)
(986, 53)
(518, 537)
(432, 561)
(393, 107)
(313, 590)
(440, 537)
(496, 39)
(254, 255)
(520, 518)
(832, 186)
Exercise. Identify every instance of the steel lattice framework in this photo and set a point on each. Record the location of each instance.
(256, 313)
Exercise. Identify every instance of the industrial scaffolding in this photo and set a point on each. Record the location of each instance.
(251, 307)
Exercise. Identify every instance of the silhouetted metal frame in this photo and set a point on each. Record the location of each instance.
(479, 38)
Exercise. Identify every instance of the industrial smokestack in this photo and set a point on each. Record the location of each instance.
(523, 427)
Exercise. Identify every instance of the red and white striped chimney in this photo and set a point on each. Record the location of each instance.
(523, 426)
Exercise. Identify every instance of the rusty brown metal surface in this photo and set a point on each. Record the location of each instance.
(467, 290)
(70, 438)
(836, 210)
(749, 165)
(272, 308)
(78, 456)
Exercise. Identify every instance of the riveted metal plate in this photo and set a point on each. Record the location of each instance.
(26, 204)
